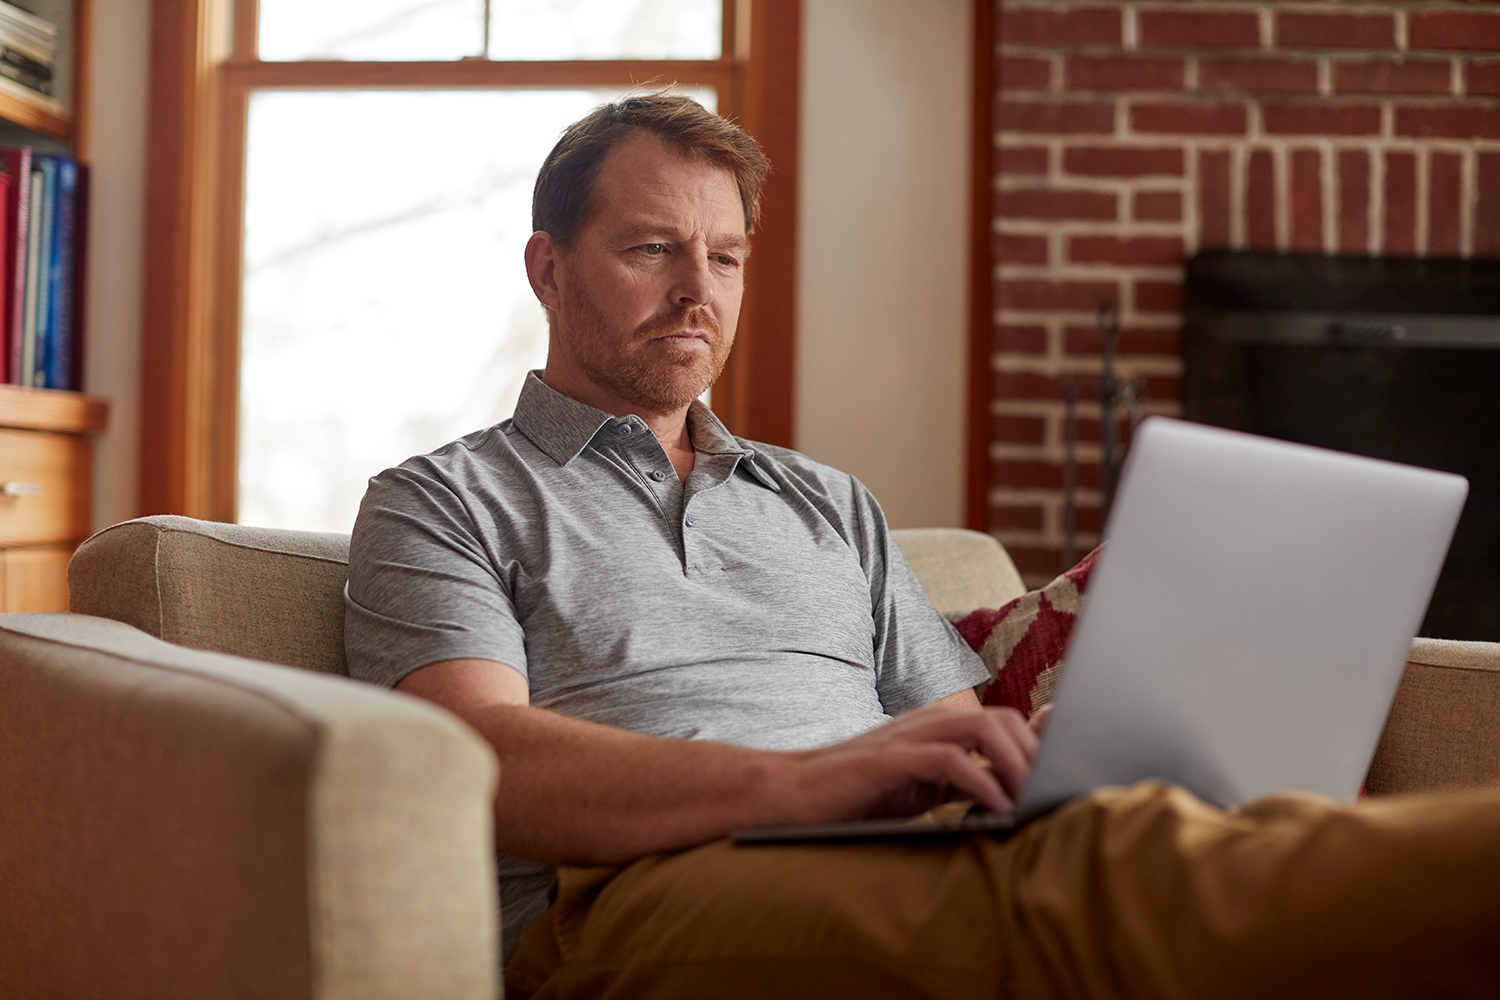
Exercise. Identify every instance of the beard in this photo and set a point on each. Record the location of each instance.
(656, 375)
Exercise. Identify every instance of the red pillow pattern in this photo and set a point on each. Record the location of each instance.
(1023, 642)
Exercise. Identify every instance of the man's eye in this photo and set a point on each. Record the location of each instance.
(655, 248)
(726, 260)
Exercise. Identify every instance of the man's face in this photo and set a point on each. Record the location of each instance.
(646, 299)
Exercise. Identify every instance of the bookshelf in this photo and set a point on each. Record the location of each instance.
(46, 450)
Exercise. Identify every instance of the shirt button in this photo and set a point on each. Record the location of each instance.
(623, 429)
(659, 475)
(688, 521)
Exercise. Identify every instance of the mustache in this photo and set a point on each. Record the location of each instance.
(696, 318)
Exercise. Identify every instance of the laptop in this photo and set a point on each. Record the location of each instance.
(1244, 631)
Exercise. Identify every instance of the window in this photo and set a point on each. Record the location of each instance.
(338, 201)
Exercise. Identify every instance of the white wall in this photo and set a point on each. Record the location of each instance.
(882, 318)
(121, 46)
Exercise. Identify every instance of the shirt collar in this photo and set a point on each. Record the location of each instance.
(562, 427)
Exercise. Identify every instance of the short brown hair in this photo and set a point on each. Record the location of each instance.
(561, 201)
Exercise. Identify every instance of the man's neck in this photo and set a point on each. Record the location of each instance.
(670, 428)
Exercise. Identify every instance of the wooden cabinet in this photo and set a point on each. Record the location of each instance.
(46, 487)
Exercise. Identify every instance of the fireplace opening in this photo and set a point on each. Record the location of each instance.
(1394, 358)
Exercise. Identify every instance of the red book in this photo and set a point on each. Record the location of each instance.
(15, 164)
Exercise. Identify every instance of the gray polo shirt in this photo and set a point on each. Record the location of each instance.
(762, 602)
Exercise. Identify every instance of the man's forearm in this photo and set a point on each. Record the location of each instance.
(583, 793)
(578, 792)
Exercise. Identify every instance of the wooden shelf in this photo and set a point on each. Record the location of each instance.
(52, 410)
(38, 119)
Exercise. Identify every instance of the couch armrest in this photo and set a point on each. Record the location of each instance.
(181, 824)
(1444, 727)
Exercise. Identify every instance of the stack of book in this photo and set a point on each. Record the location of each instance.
(42, 208)
(27, 43)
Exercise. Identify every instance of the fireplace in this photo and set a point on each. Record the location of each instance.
(1395, 358)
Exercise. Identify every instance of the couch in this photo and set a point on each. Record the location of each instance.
(194, 802)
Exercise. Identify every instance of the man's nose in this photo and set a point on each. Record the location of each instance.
(694, 285)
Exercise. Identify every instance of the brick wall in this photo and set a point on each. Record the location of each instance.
(1129, 134)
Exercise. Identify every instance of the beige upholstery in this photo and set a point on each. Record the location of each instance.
(257, 592)
(187, 824)
(184, 824)
(961, 570)
(1444, 727)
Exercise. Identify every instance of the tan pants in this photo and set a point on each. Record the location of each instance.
(1140, 892)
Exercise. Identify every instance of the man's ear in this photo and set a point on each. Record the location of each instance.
(541, 268)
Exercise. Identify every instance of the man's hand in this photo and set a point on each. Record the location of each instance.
(919, 760)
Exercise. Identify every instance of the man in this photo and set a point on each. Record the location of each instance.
(667, 633)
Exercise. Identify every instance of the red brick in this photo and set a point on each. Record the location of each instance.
(1321, 119)
(1019, 430)
(1213, 198)
(1148, 250)
(1028, 517)
(1260, 201)
(1043, 26)
(1017, 473)
(1156, 206)
(1296, 29)
(1088, 341)
(1354, 201)
(1028, 475)
(1179, 29)
(1189, 119)
(1158, 296)
(1400, 203)
(1043, 203)
(1123, 161)
(1010, 248)
(1306, 201)
(1017, 293)
(1487, 214)
(1020, 73)
(1027, 385)
(1124, 73)
(1445, 189)
(1392, 76)
(1014, 339)
(1483, 78)
(1057, 118)
(1454, 30)
(1454, 121)
(1257, 75)
(1021, 160)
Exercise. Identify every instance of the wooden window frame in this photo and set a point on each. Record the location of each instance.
(203, 70)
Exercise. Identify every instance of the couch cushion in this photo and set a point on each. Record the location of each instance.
(258, 592)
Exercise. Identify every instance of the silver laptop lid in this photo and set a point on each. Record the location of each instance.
(1248, 621)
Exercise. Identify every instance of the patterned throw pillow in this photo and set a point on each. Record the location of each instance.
(1023, 642)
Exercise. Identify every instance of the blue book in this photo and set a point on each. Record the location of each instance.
(55, 368)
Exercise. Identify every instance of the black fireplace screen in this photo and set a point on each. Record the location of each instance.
(1395, 358)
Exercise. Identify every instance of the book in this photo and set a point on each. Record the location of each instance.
(51, 105)
(46, 235)
(55, 361)
(15, 163)
(80, 277)
(37, 32)
(27, 356)
(25, 79)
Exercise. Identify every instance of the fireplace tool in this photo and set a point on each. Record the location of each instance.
(1116, 396)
